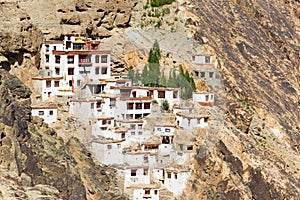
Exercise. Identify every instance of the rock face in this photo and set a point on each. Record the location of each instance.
(37, 158)
(96, 18)
(257, 46)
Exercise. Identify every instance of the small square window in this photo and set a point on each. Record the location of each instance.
(109, 146)
(47, 58)
(97, 59)
(207, 59)
(104, 59)
(48, 84)
(104, 70)
(57, 59)
(97, 70)
(70, 59)
(41, 113)
(56, 83)
(133, 172)
(51, 112)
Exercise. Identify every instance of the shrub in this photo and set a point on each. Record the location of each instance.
(165, 105)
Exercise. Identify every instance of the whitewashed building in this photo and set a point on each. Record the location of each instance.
(74, 63)
(48, 113)
(109, 152)
(145, 192)
(204, 98)
(191, 120)
(204, 68)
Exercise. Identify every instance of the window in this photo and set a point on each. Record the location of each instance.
(48, 84)
(70, 59)
(158, 129)
(190, 147)
(56, 83)
(207, 59)
(51, 112)
(147, 105)
(175, 94)
(109, 146)
(140, 133)
(71, 71)
(138, 106)
(41, 113)
(169, 174)
(119, 146)
(205, 119)
(132, 126)
(175, 176)
(104, 59)
(104, 122)
(129, 106)
(78, 82)
(103, 128)
(145, 172)
(140, 126)
(68, 44)
(54, 47)
(133, 172)
(155, 192)
(123, 135)
(147, 191)
(47, 58)
(167, 130)
(145, 158)
(104, 70)
(196, 73)
(47, 48)
(57, 70)
(211, 74)
(206, 97)
(98, 104)
(132, 133)
(57, 59)
(92, 105)
(97, 59)
(70, 83)
(161, 94)
(97, 70)
(202, 74)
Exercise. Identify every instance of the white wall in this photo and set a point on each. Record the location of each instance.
(48, 114)
(108, 155)
(176, 184)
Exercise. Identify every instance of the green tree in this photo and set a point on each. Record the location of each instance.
(165, 105)
(145, 76)
(131, 75)
(151, 72)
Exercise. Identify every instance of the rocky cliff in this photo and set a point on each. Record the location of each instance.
(257, 47)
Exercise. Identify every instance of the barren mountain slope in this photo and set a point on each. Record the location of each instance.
(256, 43)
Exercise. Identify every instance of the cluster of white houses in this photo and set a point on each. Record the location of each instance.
(77, 71)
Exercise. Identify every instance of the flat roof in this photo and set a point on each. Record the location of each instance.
(145, 186)
(43, 107)
(47, 78)
(192, 116)
(81, 52)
